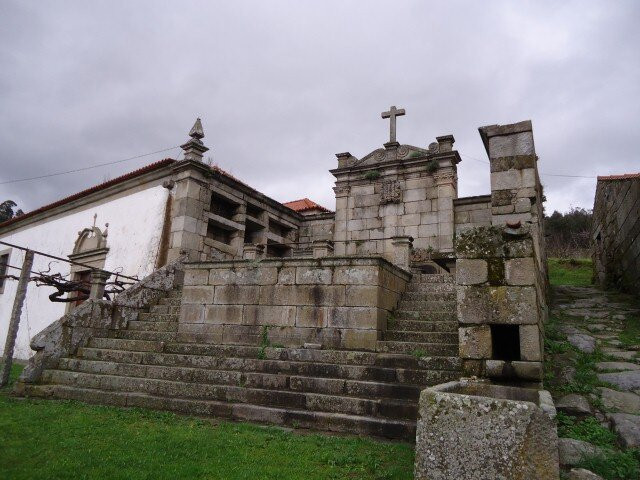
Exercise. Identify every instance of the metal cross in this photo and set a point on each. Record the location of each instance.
(392, 114)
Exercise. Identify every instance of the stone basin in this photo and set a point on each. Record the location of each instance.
(473, 429)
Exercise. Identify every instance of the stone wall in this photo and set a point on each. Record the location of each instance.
(399, 190)
(501, 270)
(315, 227)
(501, 311)
(336, 302)
(616, 232)
(470, 212)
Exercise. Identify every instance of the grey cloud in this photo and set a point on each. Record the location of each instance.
(283, 85)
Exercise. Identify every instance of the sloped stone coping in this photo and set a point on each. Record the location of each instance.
(472, 429)
(73, 330)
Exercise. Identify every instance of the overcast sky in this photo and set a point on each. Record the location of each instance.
(281, 86)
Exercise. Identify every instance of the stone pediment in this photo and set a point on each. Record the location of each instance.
(383, 155)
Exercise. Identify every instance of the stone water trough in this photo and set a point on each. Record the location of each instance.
(472, 429)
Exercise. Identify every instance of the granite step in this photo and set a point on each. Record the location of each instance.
(422, 326)
(426, 306)
(149, 326)
(164, 309)
(275, 380)
(170, 301)
(432, 278)
(421, 337)
(417, 287)
(160, 336)
(422, 374)
(430, 296)
(417, 349)
(157, 317)
(380, 407)
(363, 425)
(426, 315)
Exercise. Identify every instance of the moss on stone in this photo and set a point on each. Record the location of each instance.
(496, 271)
(479, 242)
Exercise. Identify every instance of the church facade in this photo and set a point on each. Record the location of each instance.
(404, 280)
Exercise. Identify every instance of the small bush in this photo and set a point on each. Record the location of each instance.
(614, 465)
(588, 430)
(372, 175)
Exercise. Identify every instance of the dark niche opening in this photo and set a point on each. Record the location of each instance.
(505, 341)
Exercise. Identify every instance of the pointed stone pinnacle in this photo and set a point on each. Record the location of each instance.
(197, 131)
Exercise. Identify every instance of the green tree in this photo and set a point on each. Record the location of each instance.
(6, 210)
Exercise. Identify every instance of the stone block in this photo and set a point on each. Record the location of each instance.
(223, 314)
(528, 370)
(430, 230)
(523, 205)
(471, 271)
(501, 305)
(530, 346)
(192, 314)
(359, 339)
(356, 275)
(287, 276)
(410, 219)
(307, 316)
(520, 271)
(471, 430)
(475, 342)
(313, 275)
(197, 294)
(511, 145)
(237, 294)
(415, 195)
(362, 295)
(507, 180)
(274, 315)
(529, 178)
(193, 276)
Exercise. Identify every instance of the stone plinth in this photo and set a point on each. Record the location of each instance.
(478, 431)
(337, 302)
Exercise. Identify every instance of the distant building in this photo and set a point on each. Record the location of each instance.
(616, 232)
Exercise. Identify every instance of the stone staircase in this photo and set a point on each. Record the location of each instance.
(150, 364)
(425, 322)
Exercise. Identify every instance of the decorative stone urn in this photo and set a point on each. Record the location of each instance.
(472, 429)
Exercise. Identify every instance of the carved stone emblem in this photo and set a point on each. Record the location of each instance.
(434, 147)
(391, 192)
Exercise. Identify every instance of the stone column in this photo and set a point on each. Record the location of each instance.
(252, 252)
(341, 219)
(322, 248)
(402, 251)
(190, 201)
(98, 282)
(447, 183)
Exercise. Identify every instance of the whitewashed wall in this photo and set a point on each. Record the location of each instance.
(135, 227)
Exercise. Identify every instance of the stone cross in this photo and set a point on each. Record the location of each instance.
(392, 114)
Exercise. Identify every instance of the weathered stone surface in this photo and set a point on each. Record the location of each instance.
(625, 402)
(617, 366)
(582, 474)
(629, 380)
(503, 304)
(520, 271)
(469, 435)
(471, 271)
(530, 348)
(572, 451)
(627, 426)
(573, 404)
(475, 342)
(583, 342)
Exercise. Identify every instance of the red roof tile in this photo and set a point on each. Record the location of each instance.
(136, 173)
(303, 205)
(620, 177)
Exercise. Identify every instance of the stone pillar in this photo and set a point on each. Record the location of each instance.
(402, 251)
(447, 184)
(98, 282)
(191, 199)
(322, 248)
(341, 219)
(252, 252)
(500, 304)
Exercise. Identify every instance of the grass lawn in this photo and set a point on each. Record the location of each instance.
(45, 439)
(564, 271)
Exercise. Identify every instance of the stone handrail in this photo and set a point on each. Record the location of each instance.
(73, 330)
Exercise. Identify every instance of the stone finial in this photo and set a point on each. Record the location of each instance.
(194, 148)
(445, 143)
